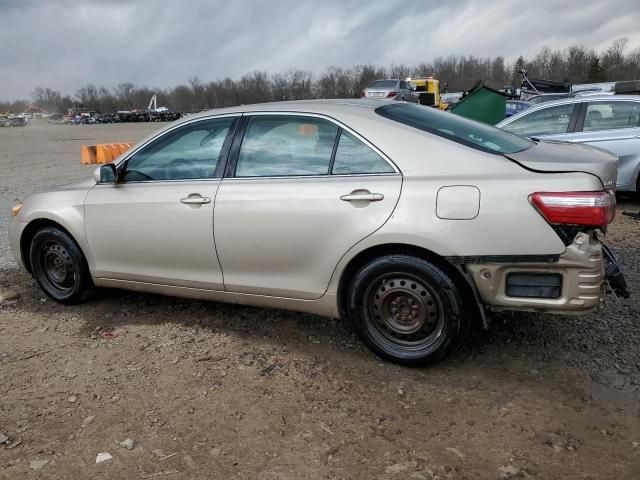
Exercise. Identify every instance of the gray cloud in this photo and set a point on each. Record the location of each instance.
(66, 44)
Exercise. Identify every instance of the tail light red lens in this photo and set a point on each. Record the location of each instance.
(391, 94)
(594, 209)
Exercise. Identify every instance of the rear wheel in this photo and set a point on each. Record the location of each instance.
(407, 310)
(59, 266)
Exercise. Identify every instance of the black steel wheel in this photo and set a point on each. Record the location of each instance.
(59, 267)
(407, 310)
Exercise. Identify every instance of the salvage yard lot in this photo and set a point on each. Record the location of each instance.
(207, 390)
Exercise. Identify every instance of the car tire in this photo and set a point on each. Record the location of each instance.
(407, 310)
(59, 266)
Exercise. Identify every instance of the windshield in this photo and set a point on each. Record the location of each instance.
(383, 84)
(456, 128)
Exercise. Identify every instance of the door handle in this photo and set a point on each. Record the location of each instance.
(362, 197)
(195, 199)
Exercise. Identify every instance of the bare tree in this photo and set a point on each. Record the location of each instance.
(575, 64)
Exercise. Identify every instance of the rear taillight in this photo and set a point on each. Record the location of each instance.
(594, 209)
(391, 94)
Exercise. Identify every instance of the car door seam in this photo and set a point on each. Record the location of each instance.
(393, 210)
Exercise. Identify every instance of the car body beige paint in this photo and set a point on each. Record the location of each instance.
(142, 231)
(284, 236)
(300, 268)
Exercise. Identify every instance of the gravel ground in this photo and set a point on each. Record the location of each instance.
(207, 390)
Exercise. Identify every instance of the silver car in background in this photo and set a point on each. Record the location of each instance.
(391, 89)
(605, 121)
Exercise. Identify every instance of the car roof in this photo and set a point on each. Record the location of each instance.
(323, 107)
(550, 94)
(565, 101)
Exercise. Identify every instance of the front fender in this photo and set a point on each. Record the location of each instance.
(64, 208)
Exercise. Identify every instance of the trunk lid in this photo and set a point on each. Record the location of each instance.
(555, 156)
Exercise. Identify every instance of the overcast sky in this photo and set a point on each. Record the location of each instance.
(64, 44)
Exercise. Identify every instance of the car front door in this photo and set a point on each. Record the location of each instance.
(155, 224)
(554, 122)
(299, 192)
(614, 125)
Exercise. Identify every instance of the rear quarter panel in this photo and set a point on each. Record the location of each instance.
(507, 224)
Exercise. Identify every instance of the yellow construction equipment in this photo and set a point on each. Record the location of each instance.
(429, 90)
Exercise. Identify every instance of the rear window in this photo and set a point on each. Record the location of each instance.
(383, 84)
(456, 128)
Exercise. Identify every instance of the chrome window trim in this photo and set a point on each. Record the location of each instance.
(396, 170)
(315, 176)
(182, 180)
(137, 148)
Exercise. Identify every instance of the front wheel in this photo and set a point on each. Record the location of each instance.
(407, 309)
(59, 266)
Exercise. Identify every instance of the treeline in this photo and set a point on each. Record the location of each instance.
(575, 64)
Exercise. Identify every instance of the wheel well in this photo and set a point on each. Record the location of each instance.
(28, 233)
(377, 251)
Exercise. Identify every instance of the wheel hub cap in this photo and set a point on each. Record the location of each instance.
(58, 265)
(405, 309)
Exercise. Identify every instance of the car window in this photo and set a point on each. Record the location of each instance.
(546, 121)
(455, 128)
(353, 157)
(611, 115)
(383, 84)
(188, 152)
(288, 145)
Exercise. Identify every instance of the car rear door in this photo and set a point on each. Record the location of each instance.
(299, 192)
(155, 224)
(613, 125)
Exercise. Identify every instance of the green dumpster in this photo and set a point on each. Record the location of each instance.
(483, 104)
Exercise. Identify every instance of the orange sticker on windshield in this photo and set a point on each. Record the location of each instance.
(307, 129)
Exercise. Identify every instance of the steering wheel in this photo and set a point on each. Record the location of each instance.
(173, 171)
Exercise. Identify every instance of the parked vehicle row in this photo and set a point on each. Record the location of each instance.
(408, 221)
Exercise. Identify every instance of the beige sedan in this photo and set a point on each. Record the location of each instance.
(408, 221)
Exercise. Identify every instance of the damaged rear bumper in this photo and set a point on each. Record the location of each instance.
(576, 283)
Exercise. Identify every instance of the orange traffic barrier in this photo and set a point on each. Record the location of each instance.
(88, 154)
(115, 150)
(103, 152)
(124, 147)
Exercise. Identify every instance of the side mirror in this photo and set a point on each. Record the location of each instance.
(105, 173)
